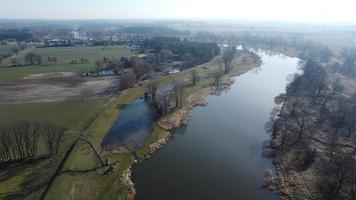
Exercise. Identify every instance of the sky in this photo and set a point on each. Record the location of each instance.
(280, 10)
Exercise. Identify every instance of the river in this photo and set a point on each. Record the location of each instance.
(218, 154)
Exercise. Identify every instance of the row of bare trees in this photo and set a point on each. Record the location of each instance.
(23, 140)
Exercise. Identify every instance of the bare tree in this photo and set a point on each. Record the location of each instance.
(217, 78)
(20, 141)
(53, 136)
(5, 144)
(178, 95)
(162, 99)
(141, 70)
(32, 59)
(338, 177)
(301, 119)
(151, 89)
(51, 60)
(228, 57)
(127, 80)
(14, 62)
(195, 77)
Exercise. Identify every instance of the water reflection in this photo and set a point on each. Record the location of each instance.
(132, 127)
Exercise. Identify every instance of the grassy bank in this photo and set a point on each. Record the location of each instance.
(25, 178)
(92, 185)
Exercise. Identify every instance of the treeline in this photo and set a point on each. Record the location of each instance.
(316, 129)
(28, 140)
(18, 34)
(150, 31)
(158, 51)
(192, 53)
(345, 61)
(304, 49)
(13, 51)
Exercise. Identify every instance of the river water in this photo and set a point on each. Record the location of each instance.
(217, 155)
(132, 127)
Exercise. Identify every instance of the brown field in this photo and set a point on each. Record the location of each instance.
(55, 87)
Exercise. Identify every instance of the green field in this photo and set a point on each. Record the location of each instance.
(65, 55)
(69, 114)
(73, 115)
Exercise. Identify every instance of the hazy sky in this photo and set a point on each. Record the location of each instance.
(282, 10)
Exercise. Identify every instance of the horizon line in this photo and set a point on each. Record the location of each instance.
(183, 20)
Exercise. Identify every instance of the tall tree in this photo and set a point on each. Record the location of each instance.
(228, 58)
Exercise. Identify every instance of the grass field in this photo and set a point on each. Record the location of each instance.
(65, 55)
(69, 114)
(73, 115)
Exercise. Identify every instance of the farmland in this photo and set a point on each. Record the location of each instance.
(65, 55)
(68, 60)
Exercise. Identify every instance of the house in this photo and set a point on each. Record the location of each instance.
(10, 42)
(57, 43)
(107, 72)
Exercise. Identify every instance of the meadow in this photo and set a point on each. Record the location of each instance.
(71, 115)
(64, 56)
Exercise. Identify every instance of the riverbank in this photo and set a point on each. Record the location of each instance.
(194, 96)
(82, 179)
(311, 143)
(223, 139)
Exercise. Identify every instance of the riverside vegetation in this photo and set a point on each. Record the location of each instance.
(312, 134)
